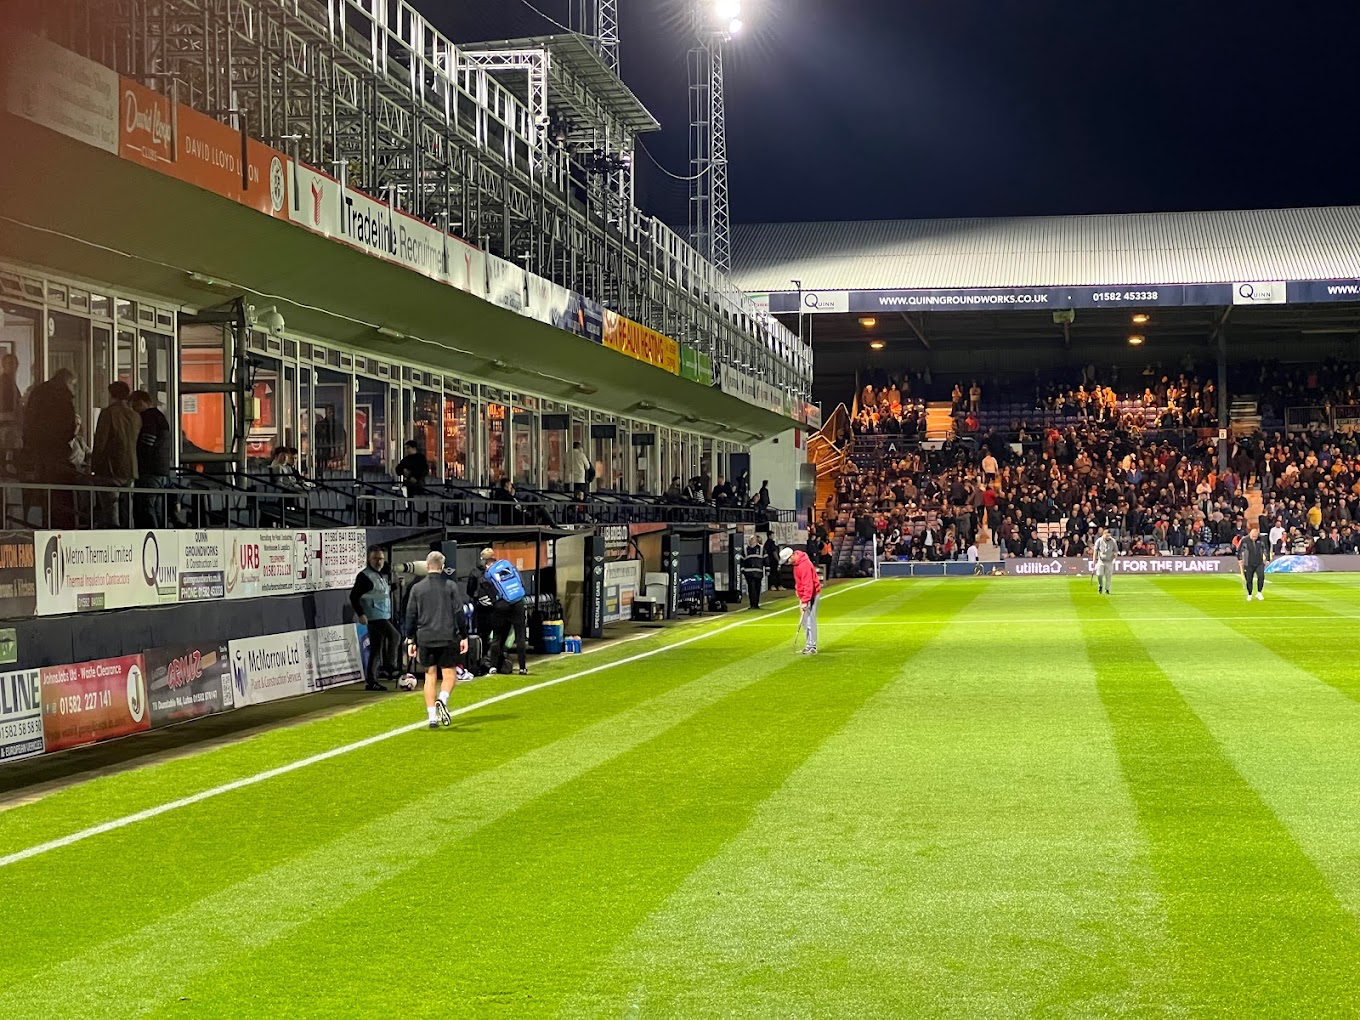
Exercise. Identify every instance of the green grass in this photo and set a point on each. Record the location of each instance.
(986, 798)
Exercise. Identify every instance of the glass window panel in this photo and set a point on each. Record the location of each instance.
(456, 438)
(332, 421)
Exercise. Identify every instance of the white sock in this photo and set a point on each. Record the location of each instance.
(444, 697)
(432, 715)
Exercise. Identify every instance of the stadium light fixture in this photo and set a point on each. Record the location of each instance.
(1136, 340)
(727, 10)
(1141, 318)
(876, 345)
(868, 322)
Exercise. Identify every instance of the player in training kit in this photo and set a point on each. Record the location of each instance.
(437, 629)
(1254, 551)
(807, 583)
(1104, 559)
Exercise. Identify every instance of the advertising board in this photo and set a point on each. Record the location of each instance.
(640, 343)
(78, 571)
(270, 667)
(21, 715)
(334, 655)
(1068, 566)
(61, 90)
(93, 701)
(187, 681)
(18, 583)
(622, 578)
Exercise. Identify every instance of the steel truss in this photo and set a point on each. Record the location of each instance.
(368, 89)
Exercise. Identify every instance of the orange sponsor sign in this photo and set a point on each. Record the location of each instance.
(190, 146)
(637, 341)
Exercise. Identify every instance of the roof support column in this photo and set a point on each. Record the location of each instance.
(1224, 426)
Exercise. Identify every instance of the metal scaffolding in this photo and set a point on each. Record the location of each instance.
(523, 147)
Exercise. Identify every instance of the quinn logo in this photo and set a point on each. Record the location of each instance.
(54, 566)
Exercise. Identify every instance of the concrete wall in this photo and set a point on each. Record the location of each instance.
(782, 461)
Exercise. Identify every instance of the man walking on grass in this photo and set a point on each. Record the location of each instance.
(437, 631)
(807, 584)
(1254, 551)
(1104, 557)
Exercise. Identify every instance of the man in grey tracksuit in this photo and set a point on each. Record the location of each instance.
(1105, 553)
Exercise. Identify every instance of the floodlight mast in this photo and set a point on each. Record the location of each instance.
(715, 23)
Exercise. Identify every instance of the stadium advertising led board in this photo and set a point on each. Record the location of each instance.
(1068, 566)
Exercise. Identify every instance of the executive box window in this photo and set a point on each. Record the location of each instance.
(456, 438)
(372, 429)
(332, 414)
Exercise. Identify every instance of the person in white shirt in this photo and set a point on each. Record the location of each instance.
(1276, 538)
(989, 466)
(580, 469)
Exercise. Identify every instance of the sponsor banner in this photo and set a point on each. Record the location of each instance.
(1070, 566)
(641, 343)
(548, 302)
(62, 91)
(505, 284)
(1323, 291)
(467, 267)
(80, 571)
(18, 581)
(91, 570)
(1259, 293)
(818, 301)
(271, 667)
(789, 533)
(343, 554)
(753, 391)
(187, 681)
(202, 566)
(1313, 564)
(21, 715)
(812, 414)
(183, 143)
(1014, 298)
(93, 701)
(145, 126)
(622, 578)
(334, 655)
(320, 203)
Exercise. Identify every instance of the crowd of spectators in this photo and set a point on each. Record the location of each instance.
(1041, 490)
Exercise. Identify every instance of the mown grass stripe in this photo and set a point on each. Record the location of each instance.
(128, 975)
(1308, 642)
(1257, 929)
(964, 847)
(553, 885)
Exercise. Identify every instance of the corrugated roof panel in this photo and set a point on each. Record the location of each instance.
(1051, 251)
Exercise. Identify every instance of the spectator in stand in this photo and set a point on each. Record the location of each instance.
(155, 462)
(114, 459)
(975, 397)
(582, 470)
(413, 469)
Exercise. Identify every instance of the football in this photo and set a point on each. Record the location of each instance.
(407, 682)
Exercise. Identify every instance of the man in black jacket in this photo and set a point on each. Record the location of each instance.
(155, 462)
(1254, 551)
(436, 631)
(481, 608)
(506, 618)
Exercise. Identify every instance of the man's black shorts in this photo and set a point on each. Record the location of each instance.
(438, 657)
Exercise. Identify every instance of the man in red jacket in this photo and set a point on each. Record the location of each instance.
(808, 585)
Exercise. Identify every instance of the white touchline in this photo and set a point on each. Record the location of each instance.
(358, 745)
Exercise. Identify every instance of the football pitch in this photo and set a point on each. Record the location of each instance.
(984, 798)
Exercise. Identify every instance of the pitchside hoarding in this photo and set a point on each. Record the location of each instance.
(277, 666)
(186, 681)
(1069, 566)
(80, 571)
(21, 715)
(93, 701)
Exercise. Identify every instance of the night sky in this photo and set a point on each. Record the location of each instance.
(879, 109)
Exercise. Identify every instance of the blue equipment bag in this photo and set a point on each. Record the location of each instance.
(506, 578)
